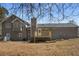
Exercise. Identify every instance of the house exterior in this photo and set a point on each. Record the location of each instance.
(17, 29)
(57, 31)
(14, 28)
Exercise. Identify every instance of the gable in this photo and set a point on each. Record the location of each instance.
(13, 18)
(17, 20)
(9, 19)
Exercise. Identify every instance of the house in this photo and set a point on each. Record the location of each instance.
(54, 31)
(14, 28)
(57, 31)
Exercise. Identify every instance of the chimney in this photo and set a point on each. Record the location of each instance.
(33, 27)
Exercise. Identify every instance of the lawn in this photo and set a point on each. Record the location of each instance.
(60, 48)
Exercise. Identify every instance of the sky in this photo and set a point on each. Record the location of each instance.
(68, 9)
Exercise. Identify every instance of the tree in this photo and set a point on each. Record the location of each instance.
(3, 13)
(56, 12)
(72, 22)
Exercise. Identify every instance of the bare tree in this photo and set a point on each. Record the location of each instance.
(54, 11)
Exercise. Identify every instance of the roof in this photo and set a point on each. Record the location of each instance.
(15, 17)
(57, 25)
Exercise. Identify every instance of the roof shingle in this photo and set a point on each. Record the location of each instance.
(57, 25)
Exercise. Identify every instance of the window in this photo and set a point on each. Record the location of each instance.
(20, 27)
(15, 24)
(39, 30)
(20, 35)
(17, 27)
(8, 25)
